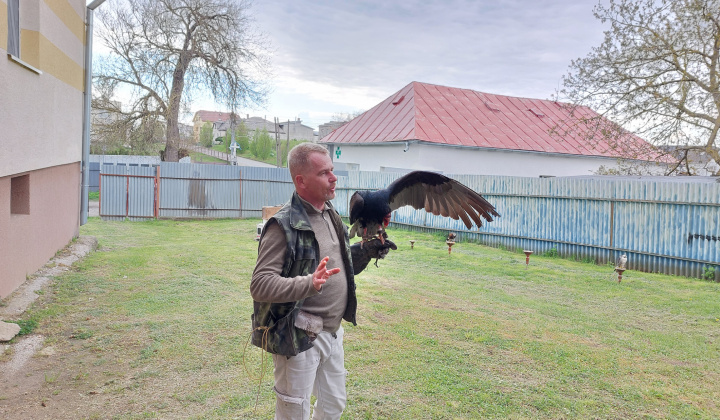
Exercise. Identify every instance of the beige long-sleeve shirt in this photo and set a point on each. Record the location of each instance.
(267, 284)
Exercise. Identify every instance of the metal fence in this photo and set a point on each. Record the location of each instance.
(668, 225)
(196, 191)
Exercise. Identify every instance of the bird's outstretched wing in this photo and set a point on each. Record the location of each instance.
(357, 203)
(440, 195)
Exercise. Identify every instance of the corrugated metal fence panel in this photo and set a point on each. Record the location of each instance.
(94, 177)
(264, 187)
(113, 193)
(668, 226)
(127, 191)
(141, 199)
(199, 191)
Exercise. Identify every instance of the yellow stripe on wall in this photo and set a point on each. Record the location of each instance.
(65, 12)
(57, 63)
(3, 25)
(30, 47)
(39, 52)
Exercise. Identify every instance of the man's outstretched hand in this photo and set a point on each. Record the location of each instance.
(321, 274)
(374, 248)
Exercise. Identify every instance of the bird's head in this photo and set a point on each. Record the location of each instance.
(386, 219)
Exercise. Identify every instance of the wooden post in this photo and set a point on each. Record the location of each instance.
(287, 143)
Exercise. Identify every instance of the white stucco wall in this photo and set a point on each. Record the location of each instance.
(456, 160)
(41, 114)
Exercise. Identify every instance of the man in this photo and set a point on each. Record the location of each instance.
(303, 286)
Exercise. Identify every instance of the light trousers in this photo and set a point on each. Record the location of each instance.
(319, 371)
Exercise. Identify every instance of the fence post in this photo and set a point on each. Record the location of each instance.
(156, 210)
(127, 193)
(100, 192)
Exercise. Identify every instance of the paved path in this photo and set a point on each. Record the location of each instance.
(93, 208)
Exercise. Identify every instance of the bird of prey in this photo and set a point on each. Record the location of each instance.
(437, 194)
(621, 261)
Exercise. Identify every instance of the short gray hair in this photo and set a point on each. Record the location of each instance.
(299, 156)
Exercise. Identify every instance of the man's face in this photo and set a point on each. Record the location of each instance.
(317, 183)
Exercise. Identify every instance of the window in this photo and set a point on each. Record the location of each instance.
(20, 195)
(13, 46)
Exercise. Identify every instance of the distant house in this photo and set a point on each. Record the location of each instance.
(699, 161)
(202, 117)
(329, 127)
(41, 121)
(300, 131)
(297, 130)
(221, 123)
(461, 131)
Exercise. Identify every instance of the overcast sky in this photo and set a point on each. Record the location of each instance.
(345, 56)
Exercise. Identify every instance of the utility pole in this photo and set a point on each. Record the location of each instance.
(287, 144)
(277, 145)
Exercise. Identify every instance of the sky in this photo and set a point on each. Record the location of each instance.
(343, 56)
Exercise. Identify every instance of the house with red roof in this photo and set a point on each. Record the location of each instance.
(462, 131)
(202, 117)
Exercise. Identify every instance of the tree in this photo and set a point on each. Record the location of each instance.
(110, 134)
(657, 73)
(242, 137)
(165, 51)
(261, 145)
(346, 116)
(206, 135)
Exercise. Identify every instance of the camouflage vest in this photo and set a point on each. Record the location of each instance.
(274, 323)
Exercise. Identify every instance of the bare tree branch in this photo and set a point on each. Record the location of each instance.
(655, 73)
(166, 51)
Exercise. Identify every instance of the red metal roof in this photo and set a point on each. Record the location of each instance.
(211, 116)
(464, 117)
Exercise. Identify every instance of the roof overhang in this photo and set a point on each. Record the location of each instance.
(407, 143)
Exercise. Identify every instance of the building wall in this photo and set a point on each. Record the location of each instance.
(41, 98)
(456, 160)
(30, 240)
(299, 131)
(327, 128)
(41, 114)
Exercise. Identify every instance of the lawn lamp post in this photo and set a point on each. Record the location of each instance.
(450, 244)
(527, 257)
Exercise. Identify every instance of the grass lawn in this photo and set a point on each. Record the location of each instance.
(155, 323)
(197, 157)
(272, 160)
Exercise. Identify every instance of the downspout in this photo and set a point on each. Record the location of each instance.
(87, 99)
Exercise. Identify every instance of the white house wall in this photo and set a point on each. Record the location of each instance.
(41, 116)
(456, 160)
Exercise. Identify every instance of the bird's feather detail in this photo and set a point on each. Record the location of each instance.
(433, 192)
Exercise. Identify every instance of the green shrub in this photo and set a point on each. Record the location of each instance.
(262, 145)
(552, 252)
(206, 133)
(709, 273)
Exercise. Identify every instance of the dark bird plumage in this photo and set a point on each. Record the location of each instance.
(437, 194)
